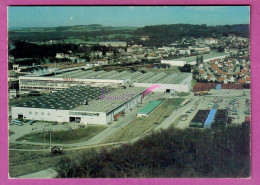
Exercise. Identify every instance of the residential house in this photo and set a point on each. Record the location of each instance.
(242, 81)
(211, 78)
(222, 79)
(203, 74)
(215, 67)
(231, 79)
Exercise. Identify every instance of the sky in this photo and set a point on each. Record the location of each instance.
(137, 16)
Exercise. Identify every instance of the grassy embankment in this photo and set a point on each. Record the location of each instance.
(142, 124)
(65, 137)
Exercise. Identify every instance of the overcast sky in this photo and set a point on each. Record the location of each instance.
(52, 16)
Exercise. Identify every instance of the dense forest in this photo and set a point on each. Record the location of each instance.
(169, 153)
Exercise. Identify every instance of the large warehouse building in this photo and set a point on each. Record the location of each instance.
(82, 104)
(193, 59)
(168, 82)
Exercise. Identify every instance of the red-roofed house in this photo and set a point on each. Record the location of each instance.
(242, 81)
(230, 69)
(248, 118)
(215, 67)
(220, 64)
(230, 78)
(211, 78)
(203, 74)
(243, 71)
(222, 79)
(248, 80)
(239, 74)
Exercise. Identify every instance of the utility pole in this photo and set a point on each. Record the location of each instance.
(44, 139)
(50, 139)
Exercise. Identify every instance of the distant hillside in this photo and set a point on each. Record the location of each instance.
(159, 34)
(169, 33)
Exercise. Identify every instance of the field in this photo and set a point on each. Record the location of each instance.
(10, 132)
(183, 94)
(176, 121)
(193, 83)
(145, 124)
(21, 163)
(64, 137)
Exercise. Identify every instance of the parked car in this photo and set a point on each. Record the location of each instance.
(32, 122)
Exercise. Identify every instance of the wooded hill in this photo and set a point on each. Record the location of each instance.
(167, 154)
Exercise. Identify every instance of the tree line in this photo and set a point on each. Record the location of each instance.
(222, 152)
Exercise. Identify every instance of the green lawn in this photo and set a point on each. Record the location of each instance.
(10, 132)
(142, 124)
(175, 123)
(66, 137)
(183, 94)
(26, 162)
(193, 83)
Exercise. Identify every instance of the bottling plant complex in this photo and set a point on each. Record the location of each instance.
(93, 97)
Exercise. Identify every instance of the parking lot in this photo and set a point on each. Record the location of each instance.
(237, 102)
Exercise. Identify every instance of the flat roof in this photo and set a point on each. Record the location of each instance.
(205, 56)
(75, 98)
(161, 78)
(150, 107)
(112, 100)
(65, 99)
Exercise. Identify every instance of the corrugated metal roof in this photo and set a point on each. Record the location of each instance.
(210, 118)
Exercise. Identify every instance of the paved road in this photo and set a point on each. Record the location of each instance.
(44, 174)
(175, 114)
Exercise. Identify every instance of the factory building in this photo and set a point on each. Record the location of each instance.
(82, 104)
(168, 82)
(174, 62)
(192, 60)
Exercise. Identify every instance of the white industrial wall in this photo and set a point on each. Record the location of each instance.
(126, 106)
(174, 62)
(176, 87)
(42, 114)
(220, 57)
(64, 115)
(98, 120)
(66, 82)
(56, 115)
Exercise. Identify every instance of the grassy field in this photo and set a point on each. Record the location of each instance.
(10, 132)
(25, 146)
(140, 125)
(111, 36)
(183, 94)
(26, 162)
(193, 83)
(175, 123)
(22, 163)
(66, 137)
